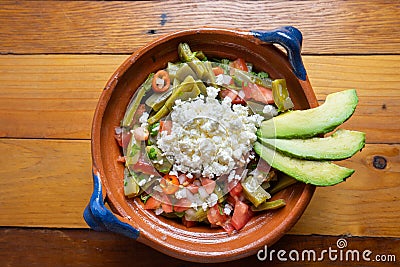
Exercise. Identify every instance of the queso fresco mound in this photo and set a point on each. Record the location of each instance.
(210, 141)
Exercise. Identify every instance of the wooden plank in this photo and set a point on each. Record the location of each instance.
(121, 27)
(47, 183)
(44, 182)
(66, 247)
(54, 96)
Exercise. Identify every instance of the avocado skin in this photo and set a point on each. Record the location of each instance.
(319, 173)
(337, 108)
(340, 145)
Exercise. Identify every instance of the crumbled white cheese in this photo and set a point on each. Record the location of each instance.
(223, 79)
(270, 110)
(181, 193)
(143, 119)
(228, 209)
(142, 182)
(212, 200)
(208, 137)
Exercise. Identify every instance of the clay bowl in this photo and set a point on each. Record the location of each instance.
(127, 216)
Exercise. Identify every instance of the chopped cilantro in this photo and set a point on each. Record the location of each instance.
(152, 153)
(221, 210)
(154, 128)
(263, 75)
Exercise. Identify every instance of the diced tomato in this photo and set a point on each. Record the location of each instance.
(236, 190)
(193, 188)
(258, 93)
(187, 223)
(182, 204)
(233, 95)
(228, 93)
(166, 204)
(231, 200)
(215, 215)
(152, 204)
(208, 184)
(218, 70)
(240, 64)
(144, 167)
(241, 215)
(166, 126)
(239, 100)
(169, 184)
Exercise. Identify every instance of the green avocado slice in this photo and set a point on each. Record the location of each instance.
(340, 145)
(320, 173)
(336, 109)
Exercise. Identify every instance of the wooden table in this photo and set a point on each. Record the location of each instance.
(55, 58)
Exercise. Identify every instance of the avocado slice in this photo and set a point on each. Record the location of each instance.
(320, 173)
(336, 109)
(340, 145)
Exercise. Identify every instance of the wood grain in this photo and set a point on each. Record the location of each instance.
(329, 27)
(47, 183)
(54, 96)
(67, 247)
(44, 183)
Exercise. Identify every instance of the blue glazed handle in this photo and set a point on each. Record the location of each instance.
(291, 39)
(99, 218)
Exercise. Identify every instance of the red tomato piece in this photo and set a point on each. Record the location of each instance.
(240, 64)
(258, 93)
(187, 223)
(152, 204)
(208, 184)
(237, 190)
(215, 215)
(241, 215)
(193, 188)
(228, 93)
(233, 95)
(166, 126)
(218, 70)
(166, 204)
(182, 204)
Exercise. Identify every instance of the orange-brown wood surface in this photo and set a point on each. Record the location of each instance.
(56, 57)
